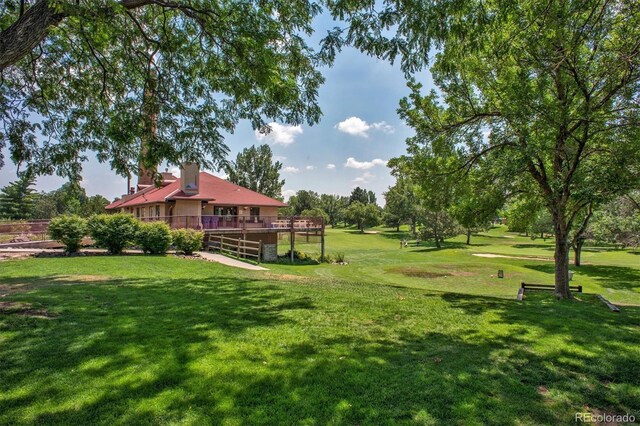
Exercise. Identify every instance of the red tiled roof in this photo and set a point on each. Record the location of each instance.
(212, 188)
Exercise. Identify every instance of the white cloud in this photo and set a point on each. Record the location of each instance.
(383, 127)
(279, 158)
(352, 163)
(290, 169)
(331, 166)
(310, 168)
(358, 127)
(287, 193)
(365, 178)
(280, 134)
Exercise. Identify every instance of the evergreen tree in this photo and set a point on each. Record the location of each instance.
(17, 198)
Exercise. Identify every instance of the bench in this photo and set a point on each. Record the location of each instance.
(530, 286)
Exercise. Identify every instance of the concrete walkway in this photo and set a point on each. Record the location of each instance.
(214, 257)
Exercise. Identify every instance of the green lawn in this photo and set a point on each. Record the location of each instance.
(378, 259)
(415, 336)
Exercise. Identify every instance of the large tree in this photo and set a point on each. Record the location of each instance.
(254, 169)
(303, 200)
(363, 215)
(401, 205)
(334, 206)
(363, 196)
(114, 76)
(552, 87)
(17, 199)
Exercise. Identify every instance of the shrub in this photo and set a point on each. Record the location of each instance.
(113, 231)
(300, 258)
(187, 240)
(69, 230)
(339, 257)
(154, 237)
(329, 258)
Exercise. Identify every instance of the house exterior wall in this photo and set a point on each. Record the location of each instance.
(269, 211)
(208, 210)
(187, 208)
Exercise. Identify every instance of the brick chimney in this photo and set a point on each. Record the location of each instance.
(190, 178)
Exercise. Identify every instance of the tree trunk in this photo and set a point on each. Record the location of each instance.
(32, 27)
(577, 251)
(398, 228)
(468, 236)
(561, 259)
(27, 32)
(436, 237)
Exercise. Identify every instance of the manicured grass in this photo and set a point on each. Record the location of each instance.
(378, 259)
(130, 340)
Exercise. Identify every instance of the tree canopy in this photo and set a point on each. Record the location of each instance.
(112, 76)
(303, 200)
(363, 215)
(254, 169)
(362, 195)
(549, 89)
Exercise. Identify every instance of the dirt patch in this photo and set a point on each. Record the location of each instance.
(417, 272)
(6, 289)
(81, 278)
(283, 277)
(23, 309)
(14, 256)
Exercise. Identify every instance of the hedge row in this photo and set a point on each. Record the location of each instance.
(115, 232)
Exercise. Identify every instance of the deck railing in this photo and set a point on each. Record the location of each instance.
(212, 222)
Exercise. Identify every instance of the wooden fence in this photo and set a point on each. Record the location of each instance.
(235, 247)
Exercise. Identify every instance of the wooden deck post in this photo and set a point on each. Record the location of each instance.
(244, 227)
(292, 242)
(322, 241)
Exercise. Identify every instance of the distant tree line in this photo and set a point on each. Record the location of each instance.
(20, 201)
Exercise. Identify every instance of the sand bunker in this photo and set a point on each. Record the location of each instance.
(491, 255)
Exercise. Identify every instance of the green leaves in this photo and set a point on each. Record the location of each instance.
(254, 169)
(116, 75)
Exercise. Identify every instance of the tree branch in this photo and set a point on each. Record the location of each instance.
(33, 26)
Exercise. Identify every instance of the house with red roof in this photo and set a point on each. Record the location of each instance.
(202, 201)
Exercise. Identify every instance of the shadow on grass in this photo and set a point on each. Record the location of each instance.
(535, 246)
(190, 350)
(397, 235)
(426, 247)
(614, 277)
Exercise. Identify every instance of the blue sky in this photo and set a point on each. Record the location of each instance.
(358, 133)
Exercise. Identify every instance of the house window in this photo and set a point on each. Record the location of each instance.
(150, 212)
(226, 211)
(137, 211)
(157, 211)
(254, 213)
(142, 212)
